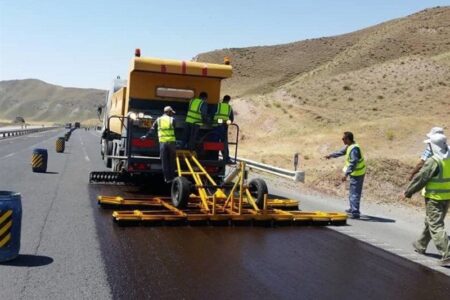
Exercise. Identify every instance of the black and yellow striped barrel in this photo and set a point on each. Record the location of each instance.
(60, 144)
(39, 160)
(10, 223)
(5, 227)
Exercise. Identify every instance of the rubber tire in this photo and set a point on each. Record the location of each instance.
(108, 161)
(180, 191)
(258, 188)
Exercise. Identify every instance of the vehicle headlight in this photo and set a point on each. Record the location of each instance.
(132, 116)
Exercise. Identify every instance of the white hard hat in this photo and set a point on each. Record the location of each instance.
(439, 145)
(168, 109)
(433, 130)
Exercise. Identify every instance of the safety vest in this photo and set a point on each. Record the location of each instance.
(166, 132)
(223, 112)
(360, 168)
(194, 114)
(438, 187)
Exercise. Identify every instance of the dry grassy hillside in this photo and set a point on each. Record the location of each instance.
(36, 100)
(389, 84)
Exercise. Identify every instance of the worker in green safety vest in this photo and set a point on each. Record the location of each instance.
(195, 117)
(355, 168)
(165, 125)
(434, 181)
(224, 115)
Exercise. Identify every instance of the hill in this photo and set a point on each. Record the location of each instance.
(261, 69)
(36, 100)
(389, 84)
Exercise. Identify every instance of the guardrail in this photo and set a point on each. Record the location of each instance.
(293, 175)
(16, 132)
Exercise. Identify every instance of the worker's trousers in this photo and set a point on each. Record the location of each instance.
(167, 153)
(434, 227)
(356, 185)
(190, 135)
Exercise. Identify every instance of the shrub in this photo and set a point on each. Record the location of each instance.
(380, 97)
(346, 88)
(390, 135)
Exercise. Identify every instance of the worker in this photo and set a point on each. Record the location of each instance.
(224, 114)
(434, 181)
(167, 142)
(427, 153)
(195, 117)
(355, 168)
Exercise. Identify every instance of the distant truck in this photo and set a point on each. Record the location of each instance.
(77, 125)
(68, 126)
(133, 105)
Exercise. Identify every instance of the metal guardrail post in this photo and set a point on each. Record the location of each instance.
(16, 132)
(293, 175)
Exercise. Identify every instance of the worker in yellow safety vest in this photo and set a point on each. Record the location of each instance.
(167, 142)
(355, 168)
(434, 181)
(195, 117)
(224, 115)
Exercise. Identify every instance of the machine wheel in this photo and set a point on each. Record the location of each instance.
(108, 161)
(258, 188)
(181, 189)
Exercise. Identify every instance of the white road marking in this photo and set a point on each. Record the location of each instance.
(86, 157)
(6, 156)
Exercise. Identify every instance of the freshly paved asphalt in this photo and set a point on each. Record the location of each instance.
(72, 250)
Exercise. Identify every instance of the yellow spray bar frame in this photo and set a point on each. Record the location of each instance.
(237, 206)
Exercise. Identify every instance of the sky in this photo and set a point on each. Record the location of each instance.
(88, 43)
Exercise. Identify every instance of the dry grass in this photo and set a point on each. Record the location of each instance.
(389, 86)
(36, 100)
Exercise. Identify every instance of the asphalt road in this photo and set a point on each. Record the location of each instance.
(72, 250)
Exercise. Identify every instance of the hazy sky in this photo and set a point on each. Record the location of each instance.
(88, 43)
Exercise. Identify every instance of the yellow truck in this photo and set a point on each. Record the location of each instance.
(132, 106)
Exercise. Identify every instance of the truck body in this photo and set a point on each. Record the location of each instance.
(133, 105)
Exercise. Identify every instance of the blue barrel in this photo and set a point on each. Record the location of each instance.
(39, 160)
(10, 225)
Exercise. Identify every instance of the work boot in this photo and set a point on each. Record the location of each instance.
(445, 262)
(417, 248)
(349, 211)
(354, 216)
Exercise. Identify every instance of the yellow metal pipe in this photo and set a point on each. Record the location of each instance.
(265, 203)
(172, 208)
(251, 200)
(241, 187)
(204, 171)
(191, 170)
(231, 195)
(178, 166)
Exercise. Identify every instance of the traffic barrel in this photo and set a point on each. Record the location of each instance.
(10, 225)
(39, 160)
(60, 144)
